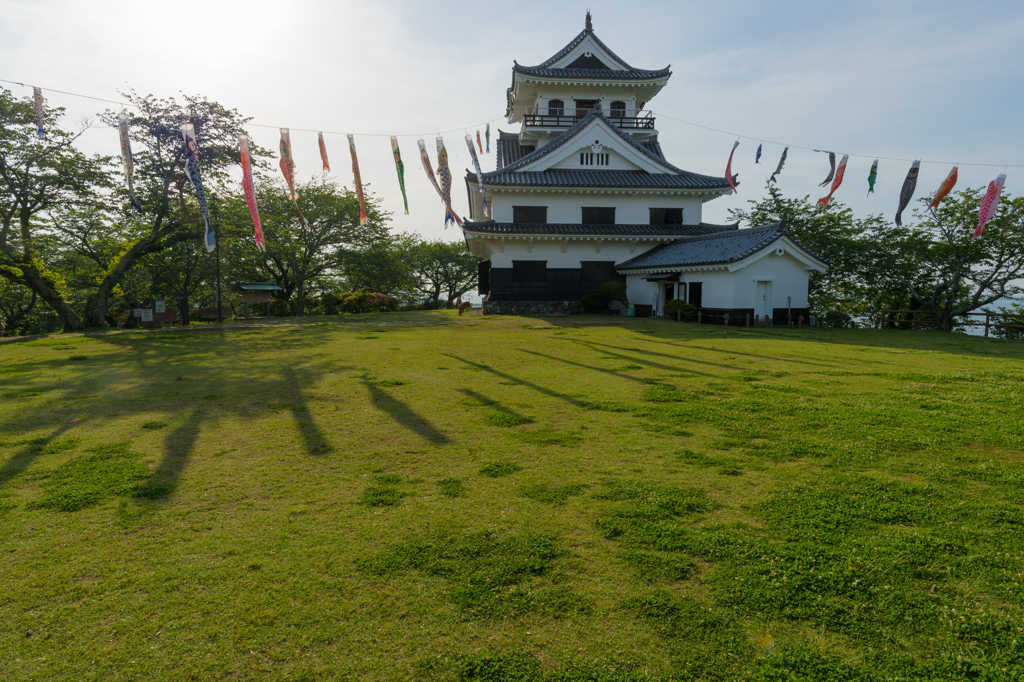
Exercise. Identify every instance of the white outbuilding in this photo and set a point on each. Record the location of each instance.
(583, 195)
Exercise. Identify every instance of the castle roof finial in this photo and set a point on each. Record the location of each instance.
(589, 25)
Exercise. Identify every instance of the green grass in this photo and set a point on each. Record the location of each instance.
(616, 500)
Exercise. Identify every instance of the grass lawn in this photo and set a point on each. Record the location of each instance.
(426, 496)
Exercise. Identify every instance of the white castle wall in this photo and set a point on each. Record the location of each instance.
(566, 208)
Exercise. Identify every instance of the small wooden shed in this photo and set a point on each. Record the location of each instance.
(257, 292)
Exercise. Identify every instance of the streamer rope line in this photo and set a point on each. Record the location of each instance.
(463, 128)
(813, 149)
(263, 125)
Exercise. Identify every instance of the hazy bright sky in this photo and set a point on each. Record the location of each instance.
(937, 80)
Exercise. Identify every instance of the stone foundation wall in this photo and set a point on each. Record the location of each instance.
(533, 308)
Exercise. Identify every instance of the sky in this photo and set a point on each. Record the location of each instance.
(938, 81)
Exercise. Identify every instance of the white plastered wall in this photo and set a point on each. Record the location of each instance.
(565, 208)
(789, 277)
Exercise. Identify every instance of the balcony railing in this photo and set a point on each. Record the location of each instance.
(550, 118)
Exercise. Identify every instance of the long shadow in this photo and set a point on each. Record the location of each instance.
(801, 361)
(664, 355)
(491, 403)
(403, 414)
(651, 363)
(24, 457)
(508, 377)
(178, 447)
(611, 372)
(312, 436)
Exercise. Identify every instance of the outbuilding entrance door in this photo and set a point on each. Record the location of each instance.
(763, 302)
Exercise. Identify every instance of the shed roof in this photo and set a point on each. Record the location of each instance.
(259, 286)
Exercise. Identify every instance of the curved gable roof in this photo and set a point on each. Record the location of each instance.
(588, 30)
(505, 175)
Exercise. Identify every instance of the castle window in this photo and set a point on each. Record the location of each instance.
(618, 110)
(592, 159)
(556, 107)
(530, 215)
(604, 215)
(666, 216)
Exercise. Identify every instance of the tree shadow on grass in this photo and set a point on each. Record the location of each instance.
(730, 351)
(651, 363)
(494, 405)
(404, 415)
(312, 436)
(508, 377)
(159, 374)
(602, 370)
(178, 447)
(28, 454)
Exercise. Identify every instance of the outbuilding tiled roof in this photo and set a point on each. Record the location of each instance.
(676, 178)
(713, 249)
(577, 229)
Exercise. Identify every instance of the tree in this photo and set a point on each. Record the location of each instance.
(116, 238)
(16, 305)
(182, 270)
(383, 267)
(298, 252)
(443, 267)
(962, 274)
(39, 176)
(871, 261)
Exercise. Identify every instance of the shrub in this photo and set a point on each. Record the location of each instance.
(597, 300)
(358, 302)
(687, 311)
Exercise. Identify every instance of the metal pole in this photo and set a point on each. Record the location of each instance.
(220, 316)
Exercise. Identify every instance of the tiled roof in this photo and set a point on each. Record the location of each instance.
(259, 286)
(654, 147)
(588, 29)
(600, 178)
(492, 227)
(678, 178)
(713, 249)
(509, 150)
(602, 74)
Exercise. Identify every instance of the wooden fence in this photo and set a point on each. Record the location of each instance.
(916, 321)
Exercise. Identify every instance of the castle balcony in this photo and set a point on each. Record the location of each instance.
(559, 118)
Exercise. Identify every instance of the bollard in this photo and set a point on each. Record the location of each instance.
(698, 316)
(726, 319)
(800, 322)
(748, 320)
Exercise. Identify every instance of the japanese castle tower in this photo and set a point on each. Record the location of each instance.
(583, 195)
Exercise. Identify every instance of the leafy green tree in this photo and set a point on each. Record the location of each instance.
(962, 274)
(872, 263)
(116, 238)
(383, 267)
(181, 270)
(40, 176)
(443, 268)
(299, 253)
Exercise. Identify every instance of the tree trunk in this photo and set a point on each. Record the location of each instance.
(32, 278)
(183, 310)
(96, 304)
(300, 301)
